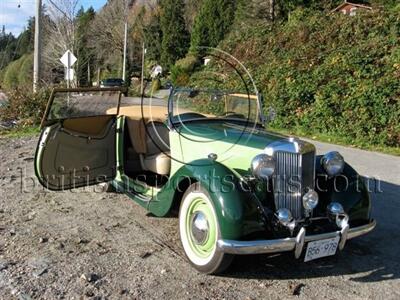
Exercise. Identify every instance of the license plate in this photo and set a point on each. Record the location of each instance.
(322, 248)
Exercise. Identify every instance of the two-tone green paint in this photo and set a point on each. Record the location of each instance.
(235, 145)
(237, 213)
(122, 182)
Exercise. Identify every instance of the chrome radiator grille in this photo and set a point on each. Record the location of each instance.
(294, 174)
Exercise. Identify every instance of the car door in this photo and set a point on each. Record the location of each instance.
(77, 145)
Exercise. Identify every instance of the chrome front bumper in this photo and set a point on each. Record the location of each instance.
(295, 244)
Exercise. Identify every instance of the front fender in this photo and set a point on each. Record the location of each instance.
(237, 211)
(348, 189)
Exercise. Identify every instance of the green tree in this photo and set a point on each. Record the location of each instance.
(18, 73)
(26, 38)
(153, 37)
(212, 23)
(84, 68)
(175, 42)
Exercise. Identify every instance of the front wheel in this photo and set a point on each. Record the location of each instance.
(199, 231)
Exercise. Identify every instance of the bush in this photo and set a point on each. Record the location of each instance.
(188, 64)
(155, 85)
(18, 73)
(179, 76)
(25, 107)
(327, 74)
(183, 69)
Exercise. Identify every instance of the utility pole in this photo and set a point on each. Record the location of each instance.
(272, 9)
(125, 41)
(38, 43)
(142, 83)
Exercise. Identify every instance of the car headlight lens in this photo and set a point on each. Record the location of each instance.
(263, 166)
(337, 214)
(333, 163)
(310, 200)
(284, 216)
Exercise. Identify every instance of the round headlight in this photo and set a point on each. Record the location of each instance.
(284, 216)
(335, 208)
(310, 200)
(333, 163)
(336, 213)
(263, 166)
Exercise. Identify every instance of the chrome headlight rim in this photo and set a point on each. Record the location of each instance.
(263, 166)
(284, 216)
(333, 163)
(337, 214)
(310, 200)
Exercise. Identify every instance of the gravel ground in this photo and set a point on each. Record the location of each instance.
(87, 244)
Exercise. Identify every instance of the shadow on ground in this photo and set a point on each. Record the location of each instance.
(371, 258)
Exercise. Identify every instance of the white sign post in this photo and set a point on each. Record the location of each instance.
(68, 60)
(69, 74)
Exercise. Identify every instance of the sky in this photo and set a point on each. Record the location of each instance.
(15, 18)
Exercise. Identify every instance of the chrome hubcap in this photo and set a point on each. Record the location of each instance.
(200, 228)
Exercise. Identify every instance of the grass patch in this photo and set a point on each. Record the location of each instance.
(338, 141)
(20, 132)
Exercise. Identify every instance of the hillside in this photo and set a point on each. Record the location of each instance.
(324, 73)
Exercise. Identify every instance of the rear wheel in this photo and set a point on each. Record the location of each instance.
(199, 231)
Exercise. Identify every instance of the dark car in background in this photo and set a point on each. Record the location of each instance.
(112, 82)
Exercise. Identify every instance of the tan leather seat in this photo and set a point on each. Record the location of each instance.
(158, 163)
(150, 137)
(157, 158)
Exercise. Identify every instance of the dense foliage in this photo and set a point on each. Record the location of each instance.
(25, 107)
(18, 73)
(325, 73)
(12, 48)
(329, 74)
(175, 42)
(212, 23)
(85, 64)
(153, 37)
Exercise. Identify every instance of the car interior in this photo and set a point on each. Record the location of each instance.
(146, 144)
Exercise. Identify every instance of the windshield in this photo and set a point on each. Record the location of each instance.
(71, 103)
(187, 105)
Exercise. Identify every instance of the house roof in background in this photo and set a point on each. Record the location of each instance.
(364, 6)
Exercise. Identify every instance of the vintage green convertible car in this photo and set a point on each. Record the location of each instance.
(239, 188)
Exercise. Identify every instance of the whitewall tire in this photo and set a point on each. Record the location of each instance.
(199, 232)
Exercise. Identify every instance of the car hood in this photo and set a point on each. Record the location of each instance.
(228, 133)
(234, 144)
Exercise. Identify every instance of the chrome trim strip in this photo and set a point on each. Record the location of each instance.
(359, 231)
(286, 244)
(290, 145)
(256, 247)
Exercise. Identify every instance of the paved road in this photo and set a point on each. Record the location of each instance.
(126, 101)
(135, 255)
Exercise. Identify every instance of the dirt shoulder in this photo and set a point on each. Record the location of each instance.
(88, 244)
